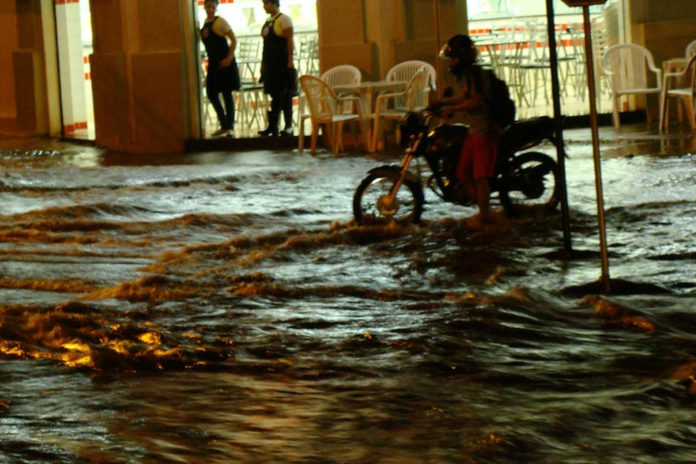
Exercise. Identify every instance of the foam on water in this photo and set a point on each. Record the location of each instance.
(227, 309)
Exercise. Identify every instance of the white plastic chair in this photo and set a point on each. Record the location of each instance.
(405, 70)
(344, 74)
(412, 96)
(690, 49)
(684, 94)
(251, 100)
(629, 67)
(323, 106)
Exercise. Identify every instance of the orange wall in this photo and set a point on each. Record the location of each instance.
(8, 44)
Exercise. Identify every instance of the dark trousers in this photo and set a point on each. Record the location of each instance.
(281, 101)
(213, 89)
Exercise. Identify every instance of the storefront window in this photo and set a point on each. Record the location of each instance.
(246, 17)
(512, 36)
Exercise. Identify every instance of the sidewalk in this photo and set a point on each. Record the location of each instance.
(635, 138)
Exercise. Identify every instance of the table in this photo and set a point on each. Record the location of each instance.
(253, 104)
(249, 68)
(502, 52)
(367, 92)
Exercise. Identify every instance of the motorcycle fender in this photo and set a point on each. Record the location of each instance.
(393, 170)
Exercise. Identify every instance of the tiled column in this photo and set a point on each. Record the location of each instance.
(140, 72)
(23, 96)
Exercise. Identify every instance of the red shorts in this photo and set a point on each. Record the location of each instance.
(478, 155)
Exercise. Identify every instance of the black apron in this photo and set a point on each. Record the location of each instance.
(217, 48)
(276, 76)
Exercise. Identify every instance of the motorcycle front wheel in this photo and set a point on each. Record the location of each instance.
(372, 204)
(530, 181)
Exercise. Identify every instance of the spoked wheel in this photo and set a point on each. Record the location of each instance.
(531, 182)
(373, 204)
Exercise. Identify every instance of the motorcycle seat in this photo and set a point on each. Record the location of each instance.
(524, 134)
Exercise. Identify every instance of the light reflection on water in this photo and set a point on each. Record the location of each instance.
(224, 308)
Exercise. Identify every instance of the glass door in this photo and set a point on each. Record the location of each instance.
(246, 17)
(512, 37)
(74, 40)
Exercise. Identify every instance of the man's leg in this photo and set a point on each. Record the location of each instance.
(286, 106)
(273, 114)
(212, 90)
(483, 198)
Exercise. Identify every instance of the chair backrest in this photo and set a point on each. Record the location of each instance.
(345, 74)
(628, 66)
(405, 70)
(248, 49)
(248, 58)
(690, 49)
(690, 73)
(320, 97)
(308, 54)
(415, 91)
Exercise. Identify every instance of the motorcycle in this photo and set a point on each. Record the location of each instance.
(522, 178)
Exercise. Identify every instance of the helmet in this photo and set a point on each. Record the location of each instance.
(462, 47)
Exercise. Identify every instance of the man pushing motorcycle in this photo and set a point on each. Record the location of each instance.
(490, 152)
(466, 100)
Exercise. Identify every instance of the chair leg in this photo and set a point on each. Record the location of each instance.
(615, 114)
(300, 139)
(648, 114)
(338, 137)
(680, 112)
(315, 133)
(663, 114)
(375, 135)
(689, 106)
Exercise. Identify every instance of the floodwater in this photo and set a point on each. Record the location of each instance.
(223, 307)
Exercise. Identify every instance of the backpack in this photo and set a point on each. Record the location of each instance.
(498, 99)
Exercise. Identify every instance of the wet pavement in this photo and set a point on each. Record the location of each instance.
(631, 139)
(221, 306)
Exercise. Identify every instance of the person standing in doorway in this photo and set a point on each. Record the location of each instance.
(223, 74)
(277, 68)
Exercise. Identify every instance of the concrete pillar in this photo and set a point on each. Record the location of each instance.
(140, 74)
(376, 34)
(343, 36)
(23, 97)
(664, 31)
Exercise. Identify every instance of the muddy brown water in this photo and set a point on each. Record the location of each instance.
(223, 307)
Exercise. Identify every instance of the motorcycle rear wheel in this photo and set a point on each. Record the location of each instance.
(530, 182)
(371, 204)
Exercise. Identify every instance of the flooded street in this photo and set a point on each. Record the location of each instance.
(224, 307)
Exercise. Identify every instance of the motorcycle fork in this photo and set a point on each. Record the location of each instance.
(405, 163)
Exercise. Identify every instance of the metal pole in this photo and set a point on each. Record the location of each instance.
(438, 65)
(560, 153)
(595, 150)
